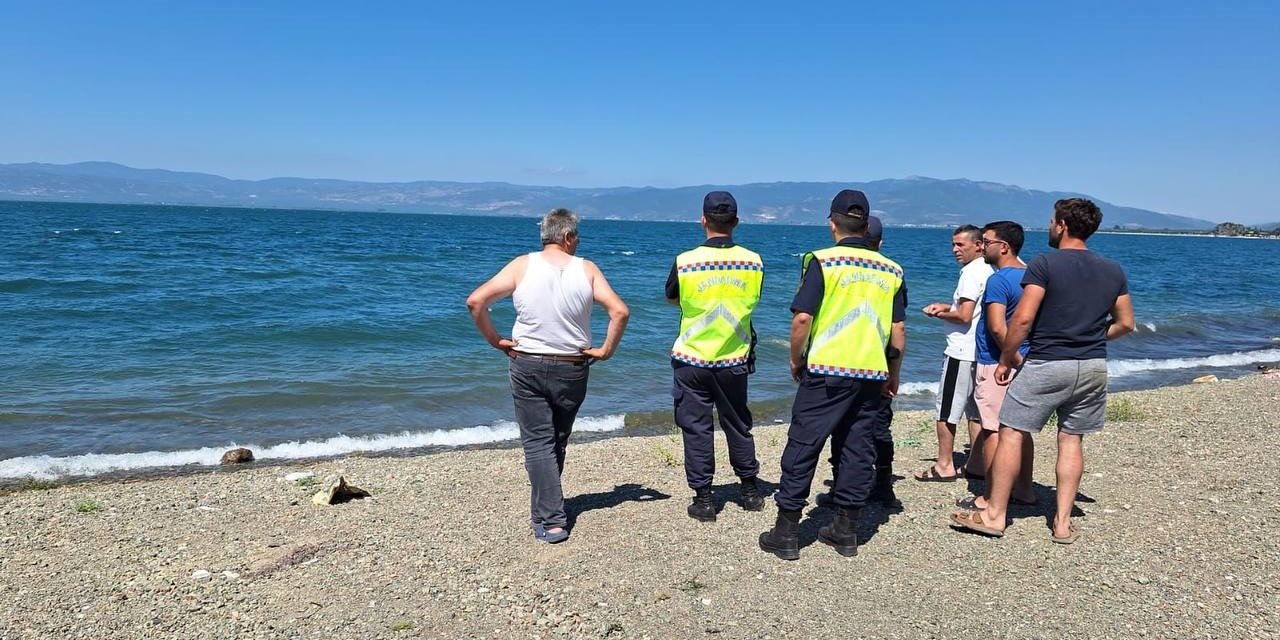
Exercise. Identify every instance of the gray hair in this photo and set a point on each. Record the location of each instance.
(558, 225)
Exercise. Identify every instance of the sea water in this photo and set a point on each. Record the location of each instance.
(145, 336)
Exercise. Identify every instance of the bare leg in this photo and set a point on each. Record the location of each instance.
(1070, 468)
(1004, 470)
(1022, 489)
(946, 464)
(976, 456)
(989, 442)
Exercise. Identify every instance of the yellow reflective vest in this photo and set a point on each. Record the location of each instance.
(719, 290)
(850, 332)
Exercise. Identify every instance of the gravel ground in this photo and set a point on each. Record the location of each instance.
(1180, 515)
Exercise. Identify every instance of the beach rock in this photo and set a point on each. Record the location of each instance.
(298, 475)
(336, 490)
(201, 575)
(238, 455)
(1208, 378)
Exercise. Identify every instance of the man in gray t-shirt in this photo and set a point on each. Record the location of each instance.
(1073, 302)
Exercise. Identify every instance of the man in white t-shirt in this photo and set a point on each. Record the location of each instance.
(955, 391)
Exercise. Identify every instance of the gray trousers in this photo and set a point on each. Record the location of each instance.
(547, 395)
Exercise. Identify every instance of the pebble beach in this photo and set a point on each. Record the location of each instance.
(1179, 510)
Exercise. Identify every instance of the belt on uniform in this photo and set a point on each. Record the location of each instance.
(551, 357)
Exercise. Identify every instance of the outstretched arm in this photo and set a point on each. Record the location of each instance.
(497, 288)
(962, 314)
(617, 309)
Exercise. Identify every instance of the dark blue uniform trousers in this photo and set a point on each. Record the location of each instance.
(696, 391)
(881, 435)
(830, 406)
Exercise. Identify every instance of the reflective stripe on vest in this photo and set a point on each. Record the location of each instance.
(849, 334)
(719, 290)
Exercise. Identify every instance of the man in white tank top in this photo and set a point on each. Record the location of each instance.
(550, 350)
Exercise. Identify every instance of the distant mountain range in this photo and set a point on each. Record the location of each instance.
(900, 202)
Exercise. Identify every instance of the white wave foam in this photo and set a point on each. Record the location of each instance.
(49, 467)
(1150, 326)
(628, 253)
(1120, 368)
(911, 388)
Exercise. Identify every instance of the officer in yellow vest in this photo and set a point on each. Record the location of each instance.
(717, 286)
(850, 307)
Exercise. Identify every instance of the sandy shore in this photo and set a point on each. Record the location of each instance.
(1180, 540)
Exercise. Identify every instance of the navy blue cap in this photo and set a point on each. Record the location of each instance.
(851, 203)
(720, 206)
(875, 230)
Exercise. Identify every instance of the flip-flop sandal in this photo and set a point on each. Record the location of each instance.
(931, 475)
(971, 503)
(972, 521)
(1075, 534)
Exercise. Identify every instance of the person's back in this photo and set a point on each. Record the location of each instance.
(1080, 289)
(550, 353)
(717, 286)
(553, 306)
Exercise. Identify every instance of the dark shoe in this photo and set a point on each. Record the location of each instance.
(703, 508)
(827, 500)
(541, 534)
(841, 533)
(882, 492)
(751, 498)
(783, 540)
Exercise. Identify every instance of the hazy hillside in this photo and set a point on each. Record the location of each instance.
(909, 201)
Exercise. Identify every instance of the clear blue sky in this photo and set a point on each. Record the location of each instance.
(1169, 106)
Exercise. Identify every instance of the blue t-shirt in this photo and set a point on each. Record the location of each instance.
(1005, 287)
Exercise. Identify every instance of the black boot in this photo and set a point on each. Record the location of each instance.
(783, 540)
(840, 533)
(703, 508)
(751, 498)
(882, 492)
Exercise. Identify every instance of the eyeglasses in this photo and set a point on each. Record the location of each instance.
(994, 241)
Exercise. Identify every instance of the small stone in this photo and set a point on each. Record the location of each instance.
(201, 575)
(298, 475)
(230, 575)
(239, 455)
(1143, 580)
(1204, 379)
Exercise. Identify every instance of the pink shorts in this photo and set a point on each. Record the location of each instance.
(988, 396)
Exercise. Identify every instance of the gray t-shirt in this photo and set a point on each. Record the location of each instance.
(1080, 289)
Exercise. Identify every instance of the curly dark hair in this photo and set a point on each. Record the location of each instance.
(1081, 216)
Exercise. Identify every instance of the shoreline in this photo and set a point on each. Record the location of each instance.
(1178, 508)
(769, 411)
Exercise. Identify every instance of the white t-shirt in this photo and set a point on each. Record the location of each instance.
(961, 343)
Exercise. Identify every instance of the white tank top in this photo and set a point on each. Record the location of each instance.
(553, 308)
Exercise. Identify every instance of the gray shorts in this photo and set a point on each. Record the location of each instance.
(1075, 389)
(955, 392)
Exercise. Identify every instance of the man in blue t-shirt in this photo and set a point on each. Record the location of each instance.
(1073, 302)
(1001, 242)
